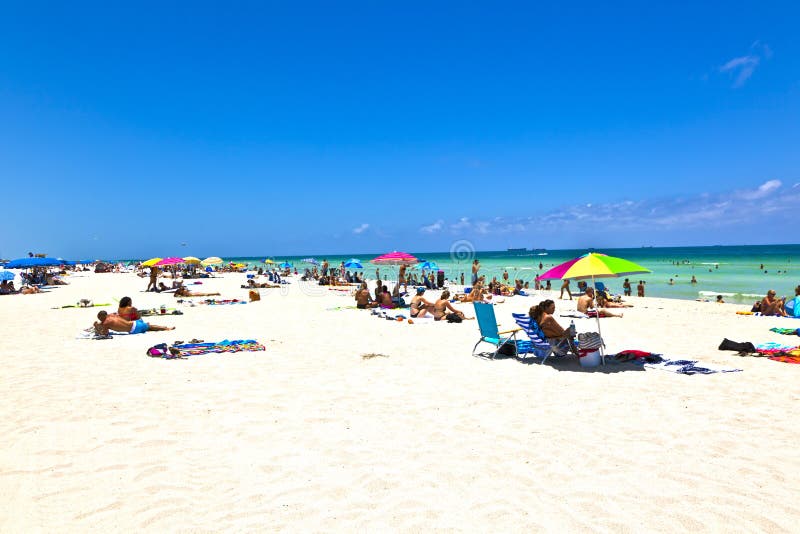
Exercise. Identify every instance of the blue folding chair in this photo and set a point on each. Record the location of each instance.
(541, 348)
(487, 322)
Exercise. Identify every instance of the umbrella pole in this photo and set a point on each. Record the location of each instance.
(602, 343)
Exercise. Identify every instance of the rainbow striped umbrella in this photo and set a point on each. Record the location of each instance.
(593, 265)
(395, 258)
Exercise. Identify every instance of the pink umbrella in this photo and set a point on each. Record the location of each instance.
(170, 261)
(557, 272)
(395, 258)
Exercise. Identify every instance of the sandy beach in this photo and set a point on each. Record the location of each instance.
(308, 435)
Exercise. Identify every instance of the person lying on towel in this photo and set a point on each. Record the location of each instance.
(118, 324)
(586, 305)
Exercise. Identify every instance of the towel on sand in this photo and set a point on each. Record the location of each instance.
(195, 349)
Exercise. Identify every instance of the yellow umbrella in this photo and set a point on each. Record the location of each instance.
(192, 260)
(268, 261)
(213, 260)
(151, 262)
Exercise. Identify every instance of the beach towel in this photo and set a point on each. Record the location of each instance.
(786, 331)
(195, 349)
(79, 305)
(575, 314)
(777, 349)
(221, 302)
(156, 311)
(786, 359)
(89, 333)
(657, 361)
(690, 367)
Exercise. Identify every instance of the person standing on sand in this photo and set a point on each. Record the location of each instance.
(401, 278)
(565, 285)
(476, 265)
(153, 278)
(640, 289)
(118, 324)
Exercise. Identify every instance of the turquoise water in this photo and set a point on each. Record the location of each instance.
(731, 271)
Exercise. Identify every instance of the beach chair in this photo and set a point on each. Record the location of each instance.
(541, 346)
(487, 322)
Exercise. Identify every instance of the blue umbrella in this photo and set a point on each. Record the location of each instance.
(285, 265)
(353, 263)
(428, 266)
(26, 263)
(6, 275)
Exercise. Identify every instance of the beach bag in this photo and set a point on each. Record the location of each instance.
(508, 349)
(590, 340)
(456, 318)
(741, 347)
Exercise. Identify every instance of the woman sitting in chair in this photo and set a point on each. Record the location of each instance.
(562, 340)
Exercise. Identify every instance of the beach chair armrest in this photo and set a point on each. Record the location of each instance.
(510, 331)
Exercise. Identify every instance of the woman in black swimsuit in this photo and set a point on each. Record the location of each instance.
(420, 306)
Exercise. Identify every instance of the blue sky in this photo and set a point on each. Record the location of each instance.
(258, 128)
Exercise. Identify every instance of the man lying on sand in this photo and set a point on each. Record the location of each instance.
(118, 324)
(585, 304)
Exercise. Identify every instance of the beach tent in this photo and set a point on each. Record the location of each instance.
(285, 265)
(428, 266)
(353, 263)
(27, 263)
(793, 307)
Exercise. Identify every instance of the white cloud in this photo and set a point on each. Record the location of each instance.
(462, 224)
(360, 229)
(743, 67)
(761, 191)
(432, 228)
(699, 212)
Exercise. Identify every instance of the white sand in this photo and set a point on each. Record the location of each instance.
(309, 436)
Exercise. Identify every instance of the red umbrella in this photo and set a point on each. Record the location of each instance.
(395, 258)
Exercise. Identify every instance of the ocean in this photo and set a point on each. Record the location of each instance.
(741, 274)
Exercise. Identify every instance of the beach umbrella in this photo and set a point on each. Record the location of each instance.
(395, 258)
(26, 263)
(170, 261)
(212, 260)
(594, 265)
(428, 266)
(285, 265)
(150, 262)
(269, 261)
(6, 275)
(353, 263)
(192, 260)
(312, 261)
